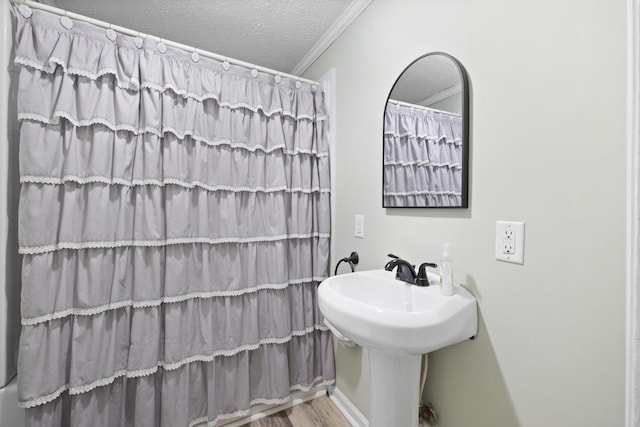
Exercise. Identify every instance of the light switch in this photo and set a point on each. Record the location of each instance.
(359, 226)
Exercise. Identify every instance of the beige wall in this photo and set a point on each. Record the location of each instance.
(548, 148)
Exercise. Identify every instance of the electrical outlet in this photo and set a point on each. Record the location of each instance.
(510, 241)
(358, 230)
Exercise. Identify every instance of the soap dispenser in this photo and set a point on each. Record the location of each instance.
(446, 272)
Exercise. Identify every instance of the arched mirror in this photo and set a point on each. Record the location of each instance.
(426, 136)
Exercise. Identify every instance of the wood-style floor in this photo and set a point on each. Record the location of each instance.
(318, 412)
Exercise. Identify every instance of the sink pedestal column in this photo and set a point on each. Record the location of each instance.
(395, 384)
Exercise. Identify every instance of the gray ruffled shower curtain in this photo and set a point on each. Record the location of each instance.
(422, 157)
(174, 221)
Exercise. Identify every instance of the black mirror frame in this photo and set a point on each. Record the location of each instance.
(464, 78)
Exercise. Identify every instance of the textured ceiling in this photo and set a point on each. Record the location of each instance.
(425, 79)
(272, 33)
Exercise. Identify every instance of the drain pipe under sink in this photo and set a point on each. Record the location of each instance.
(423, 373)
(427, 412)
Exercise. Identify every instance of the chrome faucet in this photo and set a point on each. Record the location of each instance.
(406, 272)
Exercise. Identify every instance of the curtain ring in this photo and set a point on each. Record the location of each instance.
(111, 35)
(195, 57)
(25, 10)
(254, 72)
(298, 83)
(226, 64)
(138, 41)
(278, 78)
(65, 21)
(162, 48)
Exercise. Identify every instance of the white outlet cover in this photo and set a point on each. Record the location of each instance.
(517, 228)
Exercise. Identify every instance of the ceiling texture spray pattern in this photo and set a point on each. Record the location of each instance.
(272, 33)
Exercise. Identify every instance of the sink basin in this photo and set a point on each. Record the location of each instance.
(398, 323)
(378, 312)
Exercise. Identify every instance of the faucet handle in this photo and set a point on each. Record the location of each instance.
(395, 260)
(421, 278)
(390, 265)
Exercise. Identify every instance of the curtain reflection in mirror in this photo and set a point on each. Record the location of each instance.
(422, 156)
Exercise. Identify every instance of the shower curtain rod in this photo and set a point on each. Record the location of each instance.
(129, 32)
(407, 104)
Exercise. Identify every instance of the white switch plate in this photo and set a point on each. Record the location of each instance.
(358, 229)
(510, 241)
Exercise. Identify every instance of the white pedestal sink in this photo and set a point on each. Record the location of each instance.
(398, 323)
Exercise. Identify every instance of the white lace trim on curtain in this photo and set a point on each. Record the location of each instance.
(167, 181)
(453, 140)
(121, 127)
(418, 193)
(423, 163)
(200, 98)
(166, 366)
(165, 242)
(166, 300)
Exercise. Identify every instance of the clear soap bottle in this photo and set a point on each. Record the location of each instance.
(446, 272)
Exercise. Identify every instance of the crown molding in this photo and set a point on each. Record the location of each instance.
(348, 16)
(453, 90)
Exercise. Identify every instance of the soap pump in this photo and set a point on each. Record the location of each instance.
(446, 272)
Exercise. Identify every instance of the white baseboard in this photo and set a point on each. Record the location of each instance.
(348, 409)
